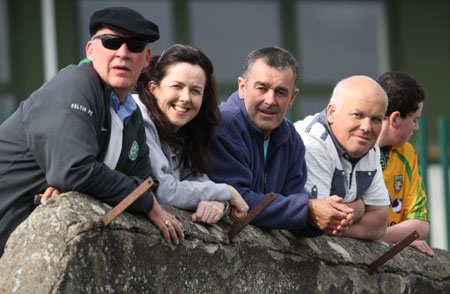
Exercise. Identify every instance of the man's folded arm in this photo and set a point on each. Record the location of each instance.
(65, 146)
(371, 226)
(232, 167)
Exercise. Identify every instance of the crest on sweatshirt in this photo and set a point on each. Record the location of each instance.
(398, 183)
(383, 162)
(134, 151)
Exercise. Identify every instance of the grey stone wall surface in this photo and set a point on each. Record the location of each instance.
(63, 248)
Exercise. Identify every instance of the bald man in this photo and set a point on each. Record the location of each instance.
(342, 158)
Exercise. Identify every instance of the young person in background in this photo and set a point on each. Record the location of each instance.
(409, 203)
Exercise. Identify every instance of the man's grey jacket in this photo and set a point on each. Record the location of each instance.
(59, 137)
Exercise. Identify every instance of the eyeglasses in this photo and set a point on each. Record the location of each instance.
(169, 49)
(114, 42)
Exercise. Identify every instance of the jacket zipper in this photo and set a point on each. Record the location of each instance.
(351, 177)
(265, 170)
(265, 182)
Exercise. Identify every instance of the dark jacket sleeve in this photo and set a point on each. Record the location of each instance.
(232, 166)
(63, 121)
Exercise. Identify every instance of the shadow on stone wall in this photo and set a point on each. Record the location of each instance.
(62, 248)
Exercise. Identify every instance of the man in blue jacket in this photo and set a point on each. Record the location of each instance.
(82, 131)
(257, 151)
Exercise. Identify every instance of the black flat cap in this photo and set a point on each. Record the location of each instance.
(124, 20)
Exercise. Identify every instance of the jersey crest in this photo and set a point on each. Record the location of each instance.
(383, 162)
(398, 183)
(134, 151)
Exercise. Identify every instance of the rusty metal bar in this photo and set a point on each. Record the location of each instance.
(127, 201)
(237, 227)
(393, 251)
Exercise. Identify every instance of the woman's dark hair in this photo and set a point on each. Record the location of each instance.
(194, 138)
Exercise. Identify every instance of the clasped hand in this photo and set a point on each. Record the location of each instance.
(330, 215)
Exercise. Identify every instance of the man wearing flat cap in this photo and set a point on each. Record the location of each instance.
(82, 131)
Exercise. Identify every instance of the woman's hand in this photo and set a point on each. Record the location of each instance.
(239, 207)
(209, 212)
(49, 193)
(169, 226)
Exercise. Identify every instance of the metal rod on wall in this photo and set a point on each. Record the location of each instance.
(423, 160)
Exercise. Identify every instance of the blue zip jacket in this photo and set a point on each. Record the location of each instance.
(238, 152)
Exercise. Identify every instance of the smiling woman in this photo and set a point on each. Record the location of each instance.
(179, 95)
(178, 99)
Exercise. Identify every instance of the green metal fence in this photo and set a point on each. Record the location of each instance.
(442, 123)
(423, 158)
(443, 144)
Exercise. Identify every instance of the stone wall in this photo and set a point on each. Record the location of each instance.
(63, 248)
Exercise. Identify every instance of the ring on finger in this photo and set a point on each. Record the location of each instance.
(168, 223)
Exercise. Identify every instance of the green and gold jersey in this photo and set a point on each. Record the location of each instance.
(404, 183)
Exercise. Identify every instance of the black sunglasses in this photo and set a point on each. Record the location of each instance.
(114, 42)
